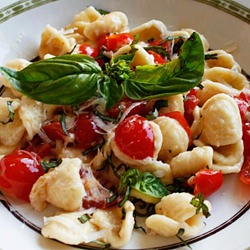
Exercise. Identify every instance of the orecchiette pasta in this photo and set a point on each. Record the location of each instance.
(226, 76)
(175, 138)
(113, 226)
(221, 121)
(223, 59)
(173, 212)
(153, 28)
(54, 42)
(188, 163)
(110, 23)
(61, 187)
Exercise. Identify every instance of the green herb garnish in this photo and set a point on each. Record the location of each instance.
(84, 218)
(179, 236)
(52, 163)
(198, 202)
(143, 184)
(73, 79)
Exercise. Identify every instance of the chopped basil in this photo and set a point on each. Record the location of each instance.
(84, 218)
(63, 123)
(93, 149)
(213, 56)
(179, 236)
(52, 163)
(198, 202)
(11, 113)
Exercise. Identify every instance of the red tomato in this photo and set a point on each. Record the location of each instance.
(19, 170)
(114, 42)
(207, 181)
(243, 103)
(167, 45)
(124, 105)
(177, 115)
(134, 136)
(190, 103)
(245, 171)
(88, 50)
(86, 132)
(38, 146)
(54, 131)
(158, 59)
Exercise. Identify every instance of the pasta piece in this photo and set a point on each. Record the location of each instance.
(142, 57)
(61, 187)
(54, 42)
(175, 103)
(226, 76)
(153, 28)
(173, 212)
(32, 115)
(4, 110)
(196, 124)
(175, 138)
(11, 132)
(229, 159)
(109, 23)
(202, 37)
(211, 88)
(229, 169)
(188, 163)
(17, 64)
(112, 226)
(82, 19)
(221, 121)
(223, 59)
(229, 154)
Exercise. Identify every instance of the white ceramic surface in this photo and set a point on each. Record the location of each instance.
(224, 25)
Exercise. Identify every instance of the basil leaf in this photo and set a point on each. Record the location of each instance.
(143, 182)
(110, 91)
(62, 80)
(175, 77)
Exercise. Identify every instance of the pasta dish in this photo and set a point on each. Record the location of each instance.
(112, 123)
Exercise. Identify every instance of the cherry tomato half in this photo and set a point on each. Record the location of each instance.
(114, 42)
(158, 59)
(54, 131)
(19, 170)
(134, 136)
(245, 169)
(190, 102)
(88, 50)
(123, 105)
(86, 132)
(207, 181)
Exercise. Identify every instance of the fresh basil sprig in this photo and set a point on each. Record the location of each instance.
(177, 76)
(62, 80)
(143, 182)
(72, 79)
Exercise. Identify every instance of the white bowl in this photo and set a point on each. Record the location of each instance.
(224, 23)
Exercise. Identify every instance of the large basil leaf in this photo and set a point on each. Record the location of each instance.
(177, 76)
(62, 80)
